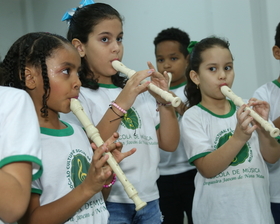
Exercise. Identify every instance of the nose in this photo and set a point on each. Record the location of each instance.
(166, 65)
(77, 83)
(222, 75)
(116, 46)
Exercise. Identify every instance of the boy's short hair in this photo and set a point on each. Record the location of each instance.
(174, 34)
(277, 36)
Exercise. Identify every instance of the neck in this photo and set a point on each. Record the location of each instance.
(178, 82)
(217, 106)
(52, 121)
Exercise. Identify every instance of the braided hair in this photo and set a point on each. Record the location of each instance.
(31, 49)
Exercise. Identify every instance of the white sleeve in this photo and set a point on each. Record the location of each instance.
(20, 133)
(193, 134)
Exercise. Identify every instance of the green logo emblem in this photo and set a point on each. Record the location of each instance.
(241, 156)
(79, 169)
(131, 120)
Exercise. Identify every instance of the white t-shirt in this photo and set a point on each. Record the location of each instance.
(175, 162)
(67, 155)
(137, 130)
(270, 93)
(19, 130)
(239, 194)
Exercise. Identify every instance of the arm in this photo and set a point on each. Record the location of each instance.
(14, 187)
(276, 122)
(269, 146)
(218, 160)
(16, 145)
(64, 208)
(168, 133)
(125, 100)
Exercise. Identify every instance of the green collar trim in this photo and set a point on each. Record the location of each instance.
(58, 132)
(108, 86)
(276, 83)
(177, 86)
(229, 114)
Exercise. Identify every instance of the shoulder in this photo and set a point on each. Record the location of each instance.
(8, 93)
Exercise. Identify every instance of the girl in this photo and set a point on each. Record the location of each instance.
(96, 32)
(232, 182)
(46, 66)
(20, 154)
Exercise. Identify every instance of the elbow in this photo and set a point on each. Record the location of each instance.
(207, 174)
(205, 170)
(13, 216)
(271, 160)
(168, 147)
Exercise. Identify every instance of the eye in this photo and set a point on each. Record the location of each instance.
(212, 69)
(120, 39)
(227, 68)
(105, 39)
(66, 71)
(174, 59)
(159, 60)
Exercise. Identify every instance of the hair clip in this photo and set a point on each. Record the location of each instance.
(191, 46)
(69, 14)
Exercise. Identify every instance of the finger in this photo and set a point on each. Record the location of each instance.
(93, 146)
(112, 139)
(130, 152)
(150, 65)
(100, 151)
(115, 146)
(99, 162)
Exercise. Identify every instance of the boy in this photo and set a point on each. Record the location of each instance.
(176, 181)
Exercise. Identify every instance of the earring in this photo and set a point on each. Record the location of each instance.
(197, 86)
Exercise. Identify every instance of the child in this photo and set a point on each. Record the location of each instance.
(232, 183)
(270, 93)
(176, 181)
(20, 157)
(46, 66)
(115, 104)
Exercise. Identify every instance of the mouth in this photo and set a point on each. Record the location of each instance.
(224, 84)
(116, 59)
(75, 97)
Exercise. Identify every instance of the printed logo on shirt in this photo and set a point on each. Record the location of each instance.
(243, 154)
(131, 119)
(78, 164)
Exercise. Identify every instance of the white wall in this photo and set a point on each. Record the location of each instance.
(249, 25)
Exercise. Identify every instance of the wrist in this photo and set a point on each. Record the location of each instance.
(112, 182)
(159, 104)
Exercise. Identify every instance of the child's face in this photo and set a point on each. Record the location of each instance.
(104, 46)
(63, 67)
(170, 59)
(215, 70)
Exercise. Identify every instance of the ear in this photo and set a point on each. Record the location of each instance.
(29, 78)
(276, 52)
(194, 77)
(79, 46)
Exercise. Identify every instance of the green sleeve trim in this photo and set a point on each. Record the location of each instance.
(192, 159)
(278, 139)
(24, 158)
(157, 127)
(276, 83)
(36, 191)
